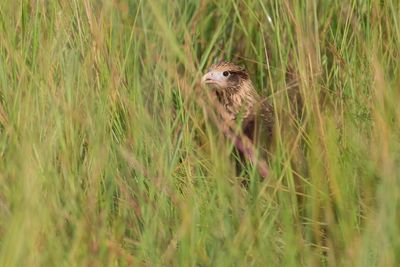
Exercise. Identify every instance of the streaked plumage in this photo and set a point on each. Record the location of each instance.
(235, 92)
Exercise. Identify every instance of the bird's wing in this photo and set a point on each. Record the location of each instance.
(263, 123)
(267, 117)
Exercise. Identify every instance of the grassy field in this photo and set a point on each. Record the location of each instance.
(108, 158)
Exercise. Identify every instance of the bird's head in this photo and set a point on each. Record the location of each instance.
(226, 76)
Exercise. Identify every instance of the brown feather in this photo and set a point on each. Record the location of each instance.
(242, 103)
(240, 98)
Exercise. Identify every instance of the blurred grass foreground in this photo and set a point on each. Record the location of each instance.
(107, 159)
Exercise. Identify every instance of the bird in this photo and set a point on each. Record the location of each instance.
(241, 104)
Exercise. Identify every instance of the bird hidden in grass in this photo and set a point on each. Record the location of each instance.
(241, 107)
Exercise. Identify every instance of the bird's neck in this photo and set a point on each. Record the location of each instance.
(238, 100)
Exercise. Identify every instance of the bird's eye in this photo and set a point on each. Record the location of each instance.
(225, 73)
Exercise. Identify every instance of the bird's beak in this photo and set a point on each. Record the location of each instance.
(209, 78)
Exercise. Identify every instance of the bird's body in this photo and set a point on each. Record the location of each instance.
(241, 102)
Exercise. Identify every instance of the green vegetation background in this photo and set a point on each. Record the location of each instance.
(107, 158)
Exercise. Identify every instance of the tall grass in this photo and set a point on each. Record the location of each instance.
(108, 159)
